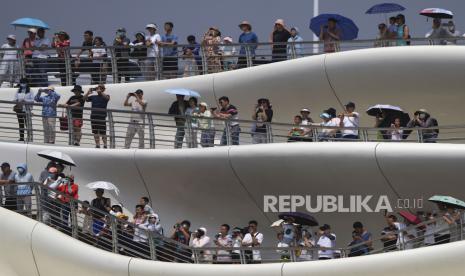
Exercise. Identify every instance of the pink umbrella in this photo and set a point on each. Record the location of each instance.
(410, 217)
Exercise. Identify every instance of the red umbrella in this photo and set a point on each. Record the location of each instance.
(410, 217)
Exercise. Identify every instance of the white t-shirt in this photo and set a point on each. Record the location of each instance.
(330, 123)
(152, 51)
(137, 107)
(9, 54)
(98, 54)
(40, 42)
(248, 239)
(324, 241)
(396, 134)
(351, 122)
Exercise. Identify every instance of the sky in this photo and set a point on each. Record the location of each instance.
(195, 17)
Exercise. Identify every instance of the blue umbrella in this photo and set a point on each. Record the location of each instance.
(30, 23)
(385, 8)
(348, 28)
(183, 91)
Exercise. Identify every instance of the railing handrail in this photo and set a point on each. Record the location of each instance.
(313, 125)
(180, 46)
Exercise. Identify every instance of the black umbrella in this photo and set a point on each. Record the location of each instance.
(300, 218)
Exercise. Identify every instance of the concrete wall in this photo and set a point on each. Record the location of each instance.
(30, 248)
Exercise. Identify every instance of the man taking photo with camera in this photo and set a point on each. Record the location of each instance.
(137, 118)
(98, 116)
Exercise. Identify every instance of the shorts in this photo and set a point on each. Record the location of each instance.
(77, 123)
(98, 124)
(170, 64)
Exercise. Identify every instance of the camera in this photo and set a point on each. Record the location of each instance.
(93, 89)
(217, 236)
(132, 94)
(177, 226)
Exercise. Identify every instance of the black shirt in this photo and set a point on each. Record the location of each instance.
(101, 204)
(76, 111)
(390, 244)
(98, 102)
(280, 37)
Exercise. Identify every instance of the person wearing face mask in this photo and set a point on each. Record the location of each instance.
(23, 96)
(423, 119)
(68, 189)
(24, 189)
(49, 112)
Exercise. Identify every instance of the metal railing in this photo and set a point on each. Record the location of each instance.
(158, 130)
(113, 64)
(113, 232)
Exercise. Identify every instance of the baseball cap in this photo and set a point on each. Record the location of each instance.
(152, 25)
(77, 88)
(139, 91)
(5, 165)
(11, 36)
(325, 116)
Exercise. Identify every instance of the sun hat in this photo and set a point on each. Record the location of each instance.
(152, 25)
(305, 110)
(279, 22)
(245, 22)
(32, 30)
(228, 38)
(204, 104)
(11, 36)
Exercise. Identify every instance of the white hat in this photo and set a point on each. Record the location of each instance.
(280, 22)
(204, 230)
(228, 38)
(305, 110)
(11, 36)
(32, 30)
(152, 25)
(204, 104)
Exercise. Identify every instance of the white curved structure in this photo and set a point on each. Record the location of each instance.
(227, 184)
(412, 77)
(30, 248)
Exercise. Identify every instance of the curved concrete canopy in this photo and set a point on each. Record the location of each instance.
(227, 184)
(30, 248)
(412, 77)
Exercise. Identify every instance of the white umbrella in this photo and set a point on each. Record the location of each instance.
(277, 223)
(57, 156)
(183, 92)
(375, 109)
(103, 185)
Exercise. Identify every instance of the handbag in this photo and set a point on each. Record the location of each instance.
(63, 121)
(18, 108)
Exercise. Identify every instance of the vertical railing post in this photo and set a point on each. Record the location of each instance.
(420, 136)
(37, 192)
(73, 217)
(248, 55)
(227, 129)
(269, 133)
(114, 64)
(114, 234)
(151, 131)
(189, 132)
(293, 51)
(21, 63)
(292, 255)
(69, 70)
(29, 126)
(153, 251)
(461, 226)
(159, 64)
(364, 134)
(111, 126)
(196, 255)
(204, 60)
(242, 256)
(70, 126)
(315, 134)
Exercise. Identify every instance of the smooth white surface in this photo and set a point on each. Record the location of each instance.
(58, 254)
(413, 77)
(227, 184)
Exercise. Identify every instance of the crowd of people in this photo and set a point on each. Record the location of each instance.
(195, 121)
(156, 54)
(56, 190)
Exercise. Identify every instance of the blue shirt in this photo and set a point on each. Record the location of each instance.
(167, 50)
(98, 102)
(49, 103)
(249, 37)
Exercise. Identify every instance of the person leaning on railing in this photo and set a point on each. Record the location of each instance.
(422, 119)
(24, 189)
(199, 239)
(24, 99)
(229, 112)
(253, 239)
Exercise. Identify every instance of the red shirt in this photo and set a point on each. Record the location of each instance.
(59, 45)
(71, 193)
(28, 44)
